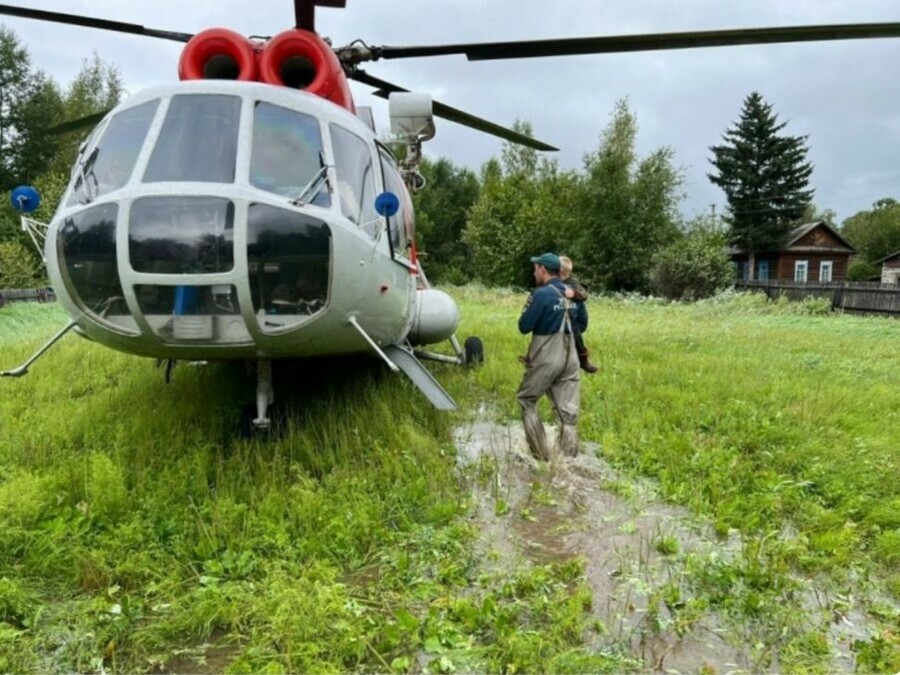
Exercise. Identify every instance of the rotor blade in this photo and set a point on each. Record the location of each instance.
(384, 88)
(75, 125)
(649, 42)
(91, 22)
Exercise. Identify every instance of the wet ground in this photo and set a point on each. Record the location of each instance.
(557, 511)
(634, 546)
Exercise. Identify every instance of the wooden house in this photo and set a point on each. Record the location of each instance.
(890, 268)
(812, 252)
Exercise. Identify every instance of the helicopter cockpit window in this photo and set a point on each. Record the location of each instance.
(401, 223)
(86, 245)
(181, 235)
(356, 180)
(108, 165)
(198, 140)
(288, 259)
(286, 157)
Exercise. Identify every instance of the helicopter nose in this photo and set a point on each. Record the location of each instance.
(182, 280)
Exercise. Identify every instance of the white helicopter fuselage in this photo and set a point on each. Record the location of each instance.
(217, 219)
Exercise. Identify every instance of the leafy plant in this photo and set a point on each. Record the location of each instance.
(692, 267)
(17, 267)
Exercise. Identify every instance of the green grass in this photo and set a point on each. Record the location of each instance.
(756, 414)
(136, 528)
(775, 420)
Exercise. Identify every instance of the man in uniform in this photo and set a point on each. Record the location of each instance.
(551, 366)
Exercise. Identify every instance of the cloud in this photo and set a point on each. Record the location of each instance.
(842, 95)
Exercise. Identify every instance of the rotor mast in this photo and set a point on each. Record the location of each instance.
(305, 11)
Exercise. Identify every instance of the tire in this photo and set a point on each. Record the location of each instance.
(474, 351)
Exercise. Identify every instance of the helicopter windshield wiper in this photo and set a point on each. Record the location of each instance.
(314, 185)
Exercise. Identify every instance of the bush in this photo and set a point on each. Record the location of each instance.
(693, 267)
(17, 267)
(861, 270)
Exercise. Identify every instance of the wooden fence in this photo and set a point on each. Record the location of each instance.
(863, 297)
(27, 295)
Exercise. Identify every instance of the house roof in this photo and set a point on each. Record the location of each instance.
(893, 255)
(802, 230)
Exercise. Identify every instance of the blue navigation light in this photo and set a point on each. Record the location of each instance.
(25, 199)
(387, 204)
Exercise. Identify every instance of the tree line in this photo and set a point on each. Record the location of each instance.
(31, 103)
(617, 216)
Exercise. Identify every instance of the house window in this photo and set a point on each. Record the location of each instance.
(763, 273)
(825, 270)
(801, 270)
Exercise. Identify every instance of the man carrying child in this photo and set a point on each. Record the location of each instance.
(577, 292)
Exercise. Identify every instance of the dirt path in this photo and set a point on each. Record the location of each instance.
(635, 546)
(552, 513)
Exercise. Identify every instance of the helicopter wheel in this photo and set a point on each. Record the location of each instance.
(474, 351)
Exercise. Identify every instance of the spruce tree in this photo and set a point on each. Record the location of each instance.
(765, 177)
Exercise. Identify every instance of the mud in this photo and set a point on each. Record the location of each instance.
(212, 656)
(531, 513)
(536, 514)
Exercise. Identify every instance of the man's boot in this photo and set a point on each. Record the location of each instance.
(585, 361)
(535, 435)
(568, 440)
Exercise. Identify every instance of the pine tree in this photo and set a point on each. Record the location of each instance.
(765, 177)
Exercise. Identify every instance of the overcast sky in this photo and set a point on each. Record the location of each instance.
(843, 95)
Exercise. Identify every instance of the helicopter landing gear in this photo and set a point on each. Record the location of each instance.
(255, 420)
(23, 369)
(474, 349)
(265, 394)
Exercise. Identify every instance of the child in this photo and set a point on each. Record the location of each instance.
(575, 291)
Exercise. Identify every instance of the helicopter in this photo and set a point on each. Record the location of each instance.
(250, 212)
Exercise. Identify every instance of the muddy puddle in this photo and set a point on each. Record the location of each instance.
(211, 656)
(633, 545)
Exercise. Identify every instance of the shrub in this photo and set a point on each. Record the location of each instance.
(692, 267)
(861, 270)
(17, 267)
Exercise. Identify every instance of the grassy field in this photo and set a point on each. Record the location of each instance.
(139, 533)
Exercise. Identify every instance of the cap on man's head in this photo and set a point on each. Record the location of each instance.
(548, 260)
